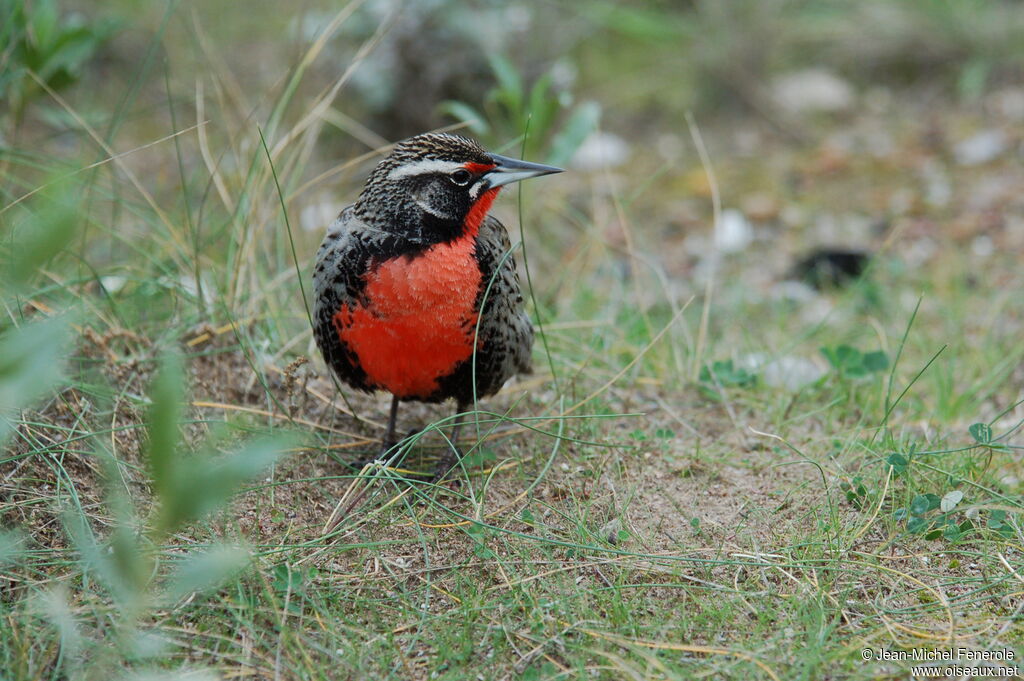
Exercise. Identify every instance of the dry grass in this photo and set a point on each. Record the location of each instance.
(630, 516)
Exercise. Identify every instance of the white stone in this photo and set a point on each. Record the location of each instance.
(787, 372)
(812, 90)
(982, 246)
(599, 151)
(1010, 103)
(983, 147)
(112, 283)
(733, 232)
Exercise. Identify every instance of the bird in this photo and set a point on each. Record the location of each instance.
(416, 291)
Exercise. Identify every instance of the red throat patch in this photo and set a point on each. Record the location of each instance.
(477, 213)
(419, 323)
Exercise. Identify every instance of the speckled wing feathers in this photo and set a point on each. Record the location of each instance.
(342, 261)
(504, 325)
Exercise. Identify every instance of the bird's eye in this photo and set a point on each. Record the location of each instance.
(461, 177)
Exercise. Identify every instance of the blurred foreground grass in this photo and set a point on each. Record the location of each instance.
(717, 469)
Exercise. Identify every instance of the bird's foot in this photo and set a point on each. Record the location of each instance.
(361, 463)
(445, 464)
(386, 446)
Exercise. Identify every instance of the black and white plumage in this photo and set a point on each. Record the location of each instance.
(416, 291)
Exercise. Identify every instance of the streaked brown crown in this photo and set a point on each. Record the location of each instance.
(441, 146)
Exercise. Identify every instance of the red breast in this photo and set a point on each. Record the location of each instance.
(420, 318)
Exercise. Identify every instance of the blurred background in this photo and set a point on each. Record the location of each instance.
(799, 216)
(829, 125)
(835, 136)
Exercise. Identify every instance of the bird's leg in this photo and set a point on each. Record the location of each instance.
(452, 453)
(389, 435)
(386, 443)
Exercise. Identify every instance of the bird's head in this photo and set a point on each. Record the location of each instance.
(437, 187)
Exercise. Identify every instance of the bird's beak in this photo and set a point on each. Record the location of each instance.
(508, 170)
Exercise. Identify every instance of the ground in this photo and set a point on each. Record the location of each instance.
(717, 469)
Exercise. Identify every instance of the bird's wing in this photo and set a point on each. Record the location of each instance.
(505, 330)
(338, 279)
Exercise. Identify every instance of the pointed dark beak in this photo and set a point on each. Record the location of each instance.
(508, 170)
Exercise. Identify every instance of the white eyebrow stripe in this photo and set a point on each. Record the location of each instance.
(421, 167)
